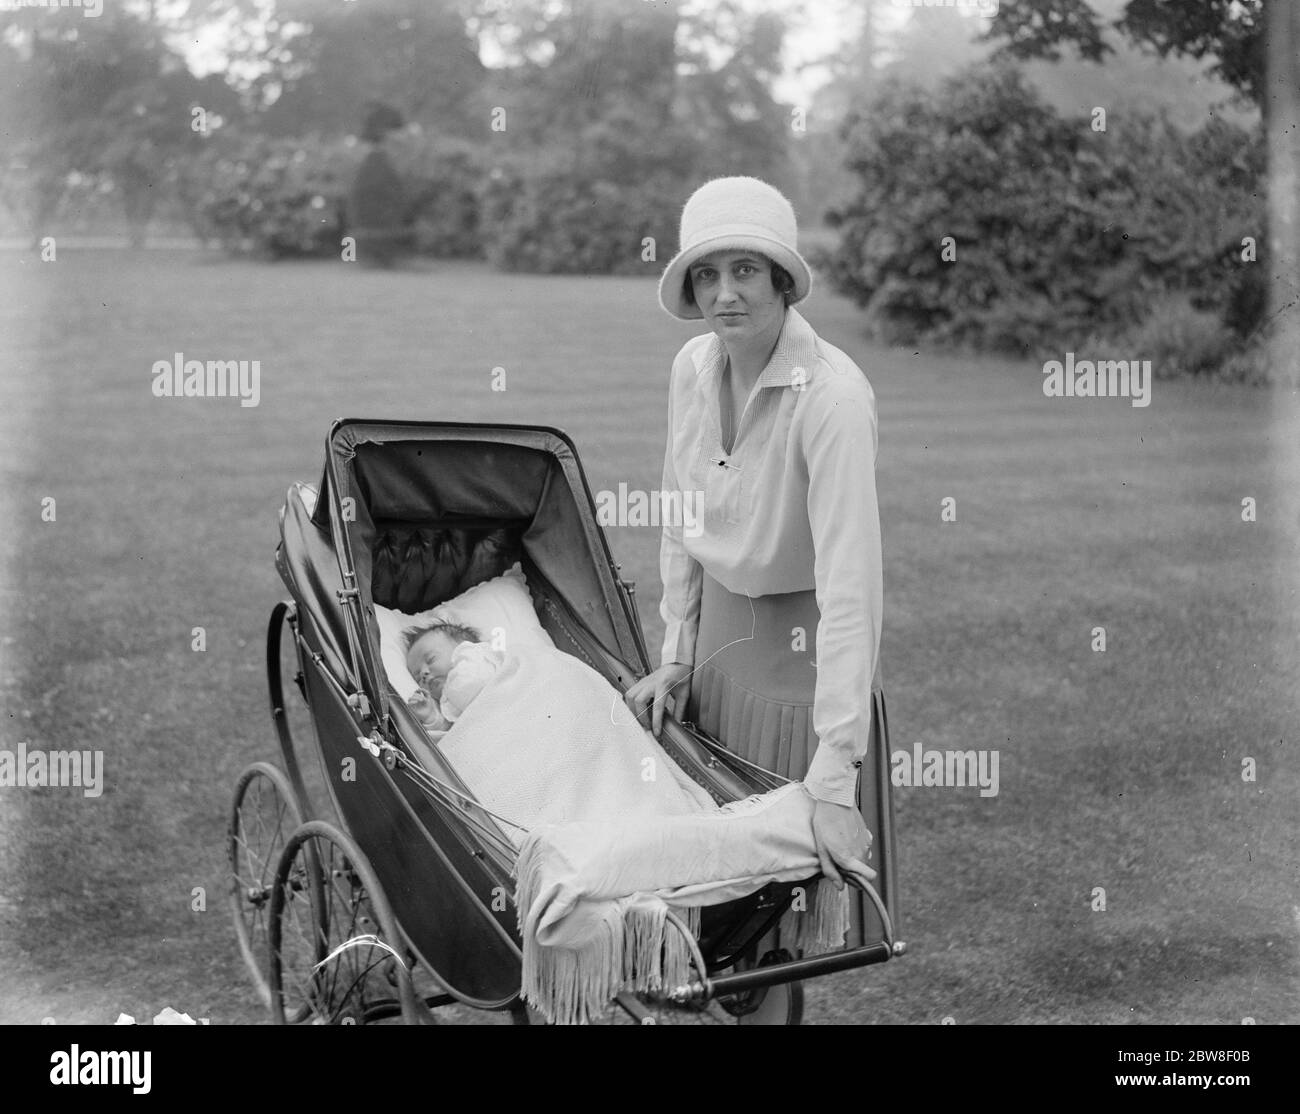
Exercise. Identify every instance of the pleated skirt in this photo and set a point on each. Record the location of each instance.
(754, 682)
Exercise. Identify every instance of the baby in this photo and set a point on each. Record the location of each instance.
(451, 666)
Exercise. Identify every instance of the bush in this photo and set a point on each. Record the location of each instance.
(585, 204)
(1245, 299)
(1177, 338)
(444, 180)
(1249, 365)
(273, 197)
(1059, 231)
(554, 222)
(285, 197)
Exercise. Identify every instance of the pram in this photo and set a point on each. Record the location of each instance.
(405, 903)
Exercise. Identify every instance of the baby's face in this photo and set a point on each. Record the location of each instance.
(429, 661)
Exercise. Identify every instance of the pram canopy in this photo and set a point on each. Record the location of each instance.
(417, 513)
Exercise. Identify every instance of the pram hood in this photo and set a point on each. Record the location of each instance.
(457, 476)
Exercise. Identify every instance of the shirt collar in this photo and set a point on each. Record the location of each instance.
(795, 351)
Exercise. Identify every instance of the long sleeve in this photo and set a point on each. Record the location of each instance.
(680, 573)
(839, 445)
(473, 666)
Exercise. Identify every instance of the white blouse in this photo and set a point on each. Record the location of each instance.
(791, 508)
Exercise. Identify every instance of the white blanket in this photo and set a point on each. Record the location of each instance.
(616, 834)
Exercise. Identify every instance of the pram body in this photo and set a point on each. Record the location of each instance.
(408, 515)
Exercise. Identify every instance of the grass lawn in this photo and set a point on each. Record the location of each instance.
(1120, 770)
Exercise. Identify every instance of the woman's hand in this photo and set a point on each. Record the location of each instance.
(843, 842)
(652, 691)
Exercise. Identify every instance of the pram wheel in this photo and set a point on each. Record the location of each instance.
(336, 952)
(774, 1005)
(263, 816)
(781, 1004)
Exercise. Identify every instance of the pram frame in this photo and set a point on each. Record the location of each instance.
(380, 724)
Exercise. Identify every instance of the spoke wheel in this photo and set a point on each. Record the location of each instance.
(262, 818)
(781, 1004)
(337, 956)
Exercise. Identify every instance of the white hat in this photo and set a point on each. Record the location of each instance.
(728, 214)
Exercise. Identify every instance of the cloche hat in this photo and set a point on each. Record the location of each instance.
(728, 214)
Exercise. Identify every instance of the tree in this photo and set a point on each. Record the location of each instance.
(617, 110)
(104, 98)
(312, 65)
(729, 103)
(595, 156)
(686, 88)
(1282, 121)
(574, 63)
(1255, 47)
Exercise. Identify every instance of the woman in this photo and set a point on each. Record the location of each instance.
(773, 611)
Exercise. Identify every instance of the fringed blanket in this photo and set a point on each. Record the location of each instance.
(617, 835)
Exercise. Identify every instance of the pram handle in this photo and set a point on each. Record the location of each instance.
(793, 970)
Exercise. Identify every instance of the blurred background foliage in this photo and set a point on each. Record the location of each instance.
(1056, 229)
(929, 125)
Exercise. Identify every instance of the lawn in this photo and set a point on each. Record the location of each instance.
(1120, 770)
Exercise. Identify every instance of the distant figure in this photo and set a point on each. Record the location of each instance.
(377, 203)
